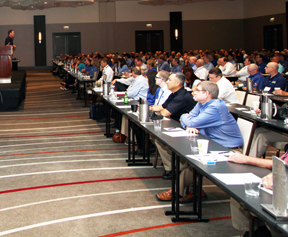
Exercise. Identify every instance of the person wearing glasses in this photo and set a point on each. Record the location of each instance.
(275, 79)
(160, 80)
(226, 89)
(210, 117)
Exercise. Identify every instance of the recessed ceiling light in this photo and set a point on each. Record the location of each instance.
(45, 2)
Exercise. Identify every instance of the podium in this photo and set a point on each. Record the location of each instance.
(5, 63)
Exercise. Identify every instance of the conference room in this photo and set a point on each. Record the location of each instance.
(51, 136)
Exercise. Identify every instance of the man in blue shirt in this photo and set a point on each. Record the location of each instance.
(176, 67)
(163, 65)
(260, 63)
(210, 117)
(192, 63)
(140, 86)
(276, 59)
(275, 79)
(255, 76)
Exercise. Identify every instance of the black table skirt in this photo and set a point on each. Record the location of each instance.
(12, 94)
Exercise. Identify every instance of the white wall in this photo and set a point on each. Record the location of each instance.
(128, 11)
(258, 8)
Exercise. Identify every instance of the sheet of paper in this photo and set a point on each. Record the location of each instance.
(123, 106)
(221, 155)
(235, 178)
(97, 89)
(174, 129)
(164, 118)
(241, 109)
(179, 134)
(134, 113)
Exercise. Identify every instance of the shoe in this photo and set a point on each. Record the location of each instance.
(189, 197)
(139, 152)
(63, 88)
(165, 196)
(167, 176)
(114, 125)
(63, 83)
(103, 120)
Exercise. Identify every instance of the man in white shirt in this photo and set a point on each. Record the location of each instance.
(201, 72)
(226, 90)
(107, 72)
(243, 73)
(227, 68)
(161, 79)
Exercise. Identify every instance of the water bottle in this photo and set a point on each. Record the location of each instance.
(126, 98)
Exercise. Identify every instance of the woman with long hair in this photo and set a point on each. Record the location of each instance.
(190, 78)
(153, 90)
(122, 66)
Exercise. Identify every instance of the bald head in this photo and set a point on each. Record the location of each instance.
(271, 68)
(200, 63)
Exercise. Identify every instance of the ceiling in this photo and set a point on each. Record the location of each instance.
(44, 4)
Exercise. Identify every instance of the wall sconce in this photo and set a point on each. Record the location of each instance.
(40, 37)
(272, 19)
(176, 34)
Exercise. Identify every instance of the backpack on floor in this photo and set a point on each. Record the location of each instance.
(96, 111)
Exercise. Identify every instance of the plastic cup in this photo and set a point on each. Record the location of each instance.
(193, 145)
(255, 105)
(203, 146)
(157, 124)
(251, 187)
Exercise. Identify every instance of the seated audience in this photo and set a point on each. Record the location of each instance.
(210, 117)
(243, 73)
(162, 64)
(226, 90)
(207, 64)
(255, 76)
(261, 64)
(175, 65)
(153, 90)
(161, 79)
(178, 103)
(201, 72)
(275, 79)
(227, 68)
(140, 86)
(122, 66)
(107, 72)
(191, 79)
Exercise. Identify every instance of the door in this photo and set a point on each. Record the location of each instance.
(66, 43)
(149, 41)
(273, 37)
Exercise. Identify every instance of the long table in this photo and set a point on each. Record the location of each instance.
(14, 93)
(180, 147)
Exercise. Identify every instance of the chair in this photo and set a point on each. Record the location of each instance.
(250, 98)
(89, 90)
(247, 129)
(232, 79)
(241, 95)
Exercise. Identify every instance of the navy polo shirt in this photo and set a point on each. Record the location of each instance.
(262, 67)
(277, 81)
(179, 103)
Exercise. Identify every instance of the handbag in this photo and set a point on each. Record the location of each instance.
(282, 112)
(118, 137)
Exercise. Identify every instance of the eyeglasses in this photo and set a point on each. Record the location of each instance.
(197, 90)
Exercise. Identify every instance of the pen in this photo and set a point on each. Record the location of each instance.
(223, 152)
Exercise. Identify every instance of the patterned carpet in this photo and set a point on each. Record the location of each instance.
(60, 176)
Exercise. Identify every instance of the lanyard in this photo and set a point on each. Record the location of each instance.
(160, 97)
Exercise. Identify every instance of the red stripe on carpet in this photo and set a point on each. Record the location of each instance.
(160, 226)
(48, 117)
(47, 152)
(52, 135)
(62, 107)
(74, 183)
